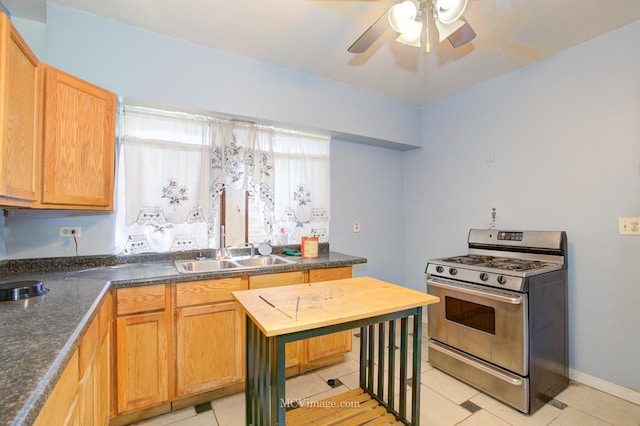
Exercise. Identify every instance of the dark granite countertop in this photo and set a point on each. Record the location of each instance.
(39, 335)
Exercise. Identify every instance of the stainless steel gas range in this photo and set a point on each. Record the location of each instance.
(501, 324)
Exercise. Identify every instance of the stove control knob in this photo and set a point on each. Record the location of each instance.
(439, 269)
(453, 271)
(484, 276)
(502, 279)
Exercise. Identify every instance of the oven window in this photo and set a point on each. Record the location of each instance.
(471, 314)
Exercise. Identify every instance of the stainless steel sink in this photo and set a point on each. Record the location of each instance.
(208, 265)
(213, 265)
(258, 261)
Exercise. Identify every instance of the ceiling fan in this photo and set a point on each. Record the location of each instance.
(410, 18)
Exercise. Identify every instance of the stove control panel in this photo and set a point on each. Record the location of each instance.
(510, 236)
(474, 276)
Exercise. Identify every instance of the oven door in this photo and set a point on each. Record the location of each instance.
(488, 323)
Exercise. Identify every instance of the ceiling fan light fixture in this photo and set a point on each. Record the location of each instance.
(412, 32)
(409, 42)
(449, 11)
(402, 14)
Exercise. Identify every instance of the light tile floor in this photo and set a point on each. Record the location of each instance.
(441, 399)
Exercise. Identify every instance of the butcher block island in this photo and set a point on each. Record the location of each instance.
(387, 315)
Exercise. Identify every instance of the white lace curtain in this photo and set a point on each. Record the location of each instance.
(161, 193)
(242, 158)
(173, 168)
(302, 181)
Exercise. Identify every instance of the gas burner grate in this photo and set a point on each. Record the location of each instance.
(471, 259)
(515, 264)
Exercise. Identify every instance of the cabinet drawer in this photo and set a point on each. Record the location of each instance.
(208, 291)
(275, 280)
(329, 274)
(135, 300)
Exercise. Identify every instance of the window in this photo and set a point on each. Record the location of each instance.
(177, 170)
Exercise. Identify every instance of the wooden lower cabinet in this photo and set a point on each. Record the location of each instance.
(142, 352)
(209, 336)
(103, 388)
(142, 346)
(173, 343)
(94, 388)
(82, 395)
(62, 406)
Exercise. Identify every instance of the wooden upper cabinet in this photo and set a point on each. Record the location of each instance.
(19, 118)
(78, 147)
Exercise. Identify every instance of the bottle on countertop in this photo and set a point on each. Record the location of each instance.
(283, 238)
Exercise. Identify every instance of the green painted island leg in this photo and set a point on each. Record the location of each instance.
(265, 366)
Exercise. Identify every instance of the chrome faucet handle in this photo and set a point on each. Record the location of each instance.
(200, 256)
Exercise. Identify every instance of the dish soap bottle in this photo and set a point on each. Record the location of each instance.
(283, 238)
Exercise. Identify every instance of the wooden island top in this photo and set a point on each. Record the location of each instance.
(326, 303)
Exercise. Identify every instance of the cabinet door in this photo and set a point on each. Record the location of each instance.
(142, 352)
(86, 390)
(209, 347)
(78, 143)
(61, 407)
(19, 118)
(102, 377)
(292, 349)
(94, 389)
(330, 344)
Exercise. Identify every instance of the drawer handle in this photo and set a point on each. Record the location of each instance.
(486, 294)
(511, 380)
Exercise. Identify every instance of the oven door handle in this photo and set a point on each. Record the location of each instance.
(515, 300)
(484, 368)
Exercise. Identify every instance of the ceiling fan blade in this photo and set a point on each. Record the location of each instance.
(370, 35)
(462, 36)
(447, 30)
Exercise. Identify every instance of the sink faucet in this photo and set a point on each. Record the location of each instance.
(223, 253)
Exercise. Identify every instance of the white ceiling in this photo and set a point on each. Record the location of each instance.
(313, 36)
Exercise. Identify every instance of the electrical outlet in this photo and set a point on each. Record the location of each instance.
(69, 231)
(356, 226)
(629, 225)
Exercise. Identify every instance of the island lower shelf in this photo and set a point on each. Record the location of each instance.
(355, 407)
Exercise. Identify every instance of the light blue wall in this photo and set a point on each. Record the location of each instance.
(141, 64)
(565, 137)
(34, 33)
(367, 186)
